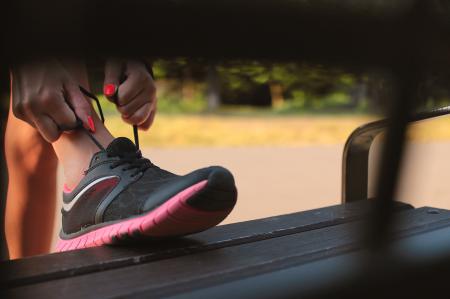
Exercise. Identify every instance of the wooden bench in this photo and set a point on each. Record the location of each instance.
(224, 254)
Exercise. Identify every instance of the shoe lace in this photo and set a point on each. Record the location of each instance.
(102, 117)
(134, 160)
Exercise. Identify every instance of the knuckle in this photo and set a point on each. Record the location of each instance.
(123, 97)
(46, 101)
(124, 110)
(48, 98)
(136, 118)
(27, 105)
(18, 109)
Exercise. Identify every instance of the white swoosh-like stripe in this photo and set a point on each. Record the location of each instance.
(68, 206)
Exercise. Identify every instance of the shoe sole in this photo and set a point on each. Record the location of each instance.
(176, 217)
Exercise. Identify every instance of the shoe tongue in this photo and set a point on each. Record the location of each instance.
(121, 145)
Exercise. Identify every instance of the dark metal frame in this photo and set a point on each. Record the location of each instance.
(355, 157)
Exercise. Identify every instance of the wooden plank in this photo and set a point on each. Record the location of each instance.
(42, 268)
(414, 267)
(183, 273)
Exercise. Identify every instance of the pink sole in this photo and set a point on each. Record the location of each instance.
(173, 218)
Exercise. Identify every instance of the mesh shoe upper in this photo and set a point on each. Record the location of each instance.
(131, 200)
(120, 184)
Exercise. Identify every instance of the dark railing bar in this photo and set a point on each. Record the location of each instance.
(355, 158)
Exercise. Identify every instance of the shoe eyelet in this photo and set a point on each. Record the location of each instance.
(135, 174)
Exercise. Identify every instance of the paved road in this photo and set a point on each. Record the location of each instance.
(274, 181)
(271, 181)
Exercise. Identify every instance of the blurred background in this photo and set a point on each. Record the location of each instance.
(280, 128)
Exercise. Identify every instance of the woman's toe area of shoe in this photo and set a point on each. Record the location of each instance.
(219, 193)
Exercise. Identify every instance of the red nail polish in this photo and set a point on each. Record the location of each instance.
(91, 124)
(109, 90)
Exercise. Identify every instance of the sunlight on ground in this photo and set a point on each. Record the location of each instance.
(218, 131)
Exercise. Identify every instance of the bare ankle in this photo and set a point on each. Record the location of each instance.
(75, 151)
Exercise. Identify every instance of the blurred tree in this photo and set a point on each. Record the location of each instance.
(213, 94)
(266, 83)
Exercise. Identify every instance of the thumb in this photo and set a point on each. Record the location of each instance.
(81, 107)
(113, 73)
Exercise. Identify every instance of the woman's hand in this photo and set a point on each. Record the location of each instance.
(129, 84)
(41, 95)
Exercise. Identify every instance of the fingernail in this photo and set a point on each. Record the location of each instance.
(109, 90)
(91, 124)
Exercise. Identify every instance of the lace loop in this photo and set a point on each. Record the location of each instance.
(102, 117)
(134, 160)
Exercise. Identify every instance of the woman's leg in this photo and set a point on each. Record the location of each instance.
(75, 149)
(30, 206)
(32, 166)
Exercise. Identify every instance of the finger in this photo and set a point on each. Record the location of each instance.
(135, 83)
(16, 105)
(49, 103)
(61, 113)
(47, 127)
(81, 107)
(113, 73)
(140, 115)
(146, 96)
(148, 123)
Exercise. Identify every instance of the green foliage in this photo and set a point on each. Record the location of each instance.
(304, 86)
(108, 107)
(169, 105)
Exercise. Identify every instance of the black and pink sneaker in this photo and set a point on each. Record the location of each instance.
(124, 195)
